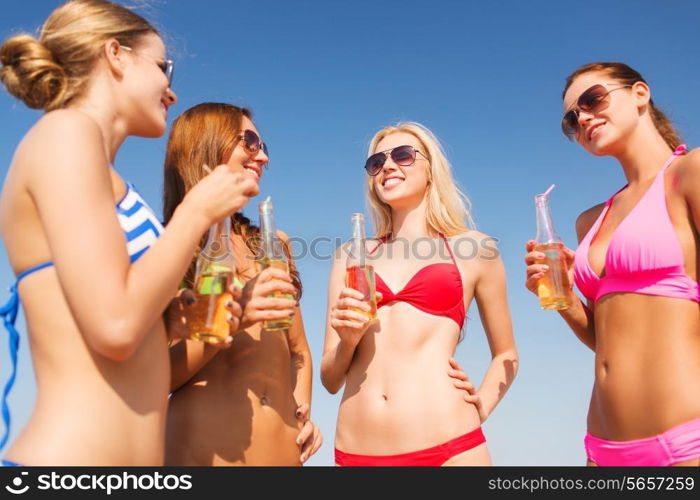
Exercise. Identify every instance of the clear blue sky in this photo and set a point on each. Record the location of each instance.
(486, 77)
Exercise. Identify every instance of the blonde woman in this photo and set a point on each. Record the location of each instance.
(95, 268)
(406, 400)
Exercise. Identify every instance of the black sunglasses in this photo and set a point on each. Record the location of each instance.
(592, 100)
(404, 156)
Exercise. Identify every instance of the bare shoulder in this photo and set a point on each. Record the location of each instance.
(64, 123)
(60, 134)
(688, 176)
(474, 246)
(586, 219)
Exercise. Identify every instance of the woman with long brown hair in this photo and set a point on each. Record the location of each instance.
(637, 267)
(95, 267)
(248, 403)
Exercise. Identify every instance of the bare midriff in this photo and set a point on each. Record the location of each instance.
(647, 366)
(239, 409)
(89, 409)
(398, 396)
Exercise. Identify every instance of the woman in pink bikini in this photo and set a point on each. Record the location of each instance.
(406, 401)
(636, 265)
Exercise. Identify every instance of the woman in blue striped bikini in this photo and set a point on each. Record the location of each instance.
(94, 280)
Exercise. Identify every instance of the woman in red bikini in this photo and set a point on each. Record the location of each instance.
(637, 266)
(406, 400)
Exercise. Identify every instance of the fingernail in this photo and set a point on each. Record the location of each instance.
(229, 303)
(189, 300)
(230, 318)
(298, 414)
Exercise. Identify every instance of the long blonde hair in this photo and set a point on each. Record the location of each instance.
(51, 72)
(448, 209)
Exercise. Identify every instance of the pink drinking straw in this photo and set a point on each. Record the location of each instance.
(549, 190)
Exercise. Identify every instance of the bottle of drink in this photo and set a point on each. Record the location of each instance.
(553, 289)
(214, 273)
(358, 274)
(273, 255)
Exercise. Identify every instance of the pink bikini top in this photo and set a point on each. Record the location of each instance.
(435, 289)
(644, 255)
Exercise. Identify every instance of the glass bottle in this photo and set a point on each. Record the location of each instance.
(214, 274)
(553, 289)
(358, 274)
(273, 255)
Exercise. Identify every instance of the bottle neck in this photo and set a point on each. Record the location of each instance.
(271, 244)
(356, 255)
(267, 223)
(217, 254)
(358, 228)
(545, 224)
(219, 232)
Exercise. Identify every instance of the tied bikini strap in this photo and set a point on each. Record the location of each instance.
(680, 150)
(9, 316)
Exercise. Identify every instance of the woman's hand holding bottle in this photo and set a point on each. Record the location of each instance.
(179, 314)
(350, 315)
(258, 302)
(536, 267)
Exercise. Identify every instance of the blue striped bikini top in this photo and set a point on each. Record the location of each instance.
(141, 228)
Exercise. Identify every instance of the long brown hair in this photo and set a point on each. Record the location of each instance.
(206, 135)
(52, 71)
(624, 74)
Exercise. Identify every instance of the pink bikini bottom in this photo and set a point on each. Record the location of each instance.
(678, 444)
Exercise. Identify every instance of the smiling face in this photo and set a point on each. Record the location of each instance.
(601, 129)
(398, 185)
(244, 160)
(147, 92)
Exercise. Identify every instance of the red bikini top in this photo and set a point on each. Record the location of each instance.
(436, 289)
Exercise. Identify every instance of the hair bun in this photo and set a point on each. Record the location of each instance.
(30, 72)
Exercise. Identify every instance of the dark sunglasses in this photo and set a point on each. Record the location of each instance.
(252, 142)
(404, 156)
(167, 66)
(592, 100)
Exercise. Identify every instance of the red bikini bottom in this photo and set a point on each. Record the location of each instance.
(429, 457)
